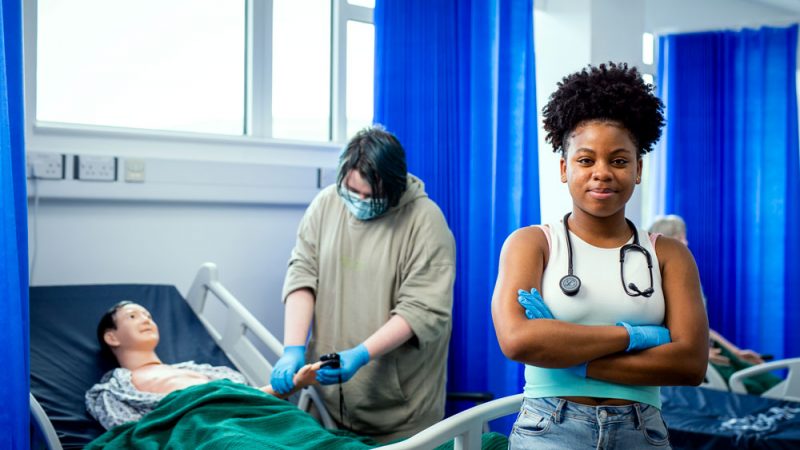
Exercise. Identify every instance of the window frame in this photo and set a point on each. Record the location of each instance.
(254, 145)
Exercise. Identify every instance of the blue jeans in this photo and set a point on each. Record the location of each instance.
(554, 423)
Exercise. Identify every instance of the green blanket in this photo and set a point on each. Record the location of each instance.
(222, 414)
(755, 385)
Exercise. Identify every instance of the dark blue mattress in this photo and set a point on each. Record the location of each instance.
(705, 419)
(65, 358)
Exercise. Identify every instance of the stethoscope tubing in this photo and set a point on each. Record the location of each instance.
(570, 284)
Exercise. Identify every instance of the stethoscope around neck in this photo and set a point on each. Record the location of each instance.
(571, 284)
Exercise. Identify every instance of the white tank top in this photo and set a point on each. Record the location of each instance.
(600, 301)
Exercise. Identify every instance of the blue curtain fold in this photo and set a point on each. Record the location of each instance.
(14, 383)
(454, 80)
(732, 171)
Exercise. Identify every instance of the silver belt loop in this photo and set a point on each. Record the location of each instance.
(557, 412)
(639, 418)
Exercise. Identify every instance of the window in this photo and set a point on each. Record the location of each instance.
(144, 64)
(364, 3)
(265, 69)
(360, 75)
(648, 44)
(301, 63)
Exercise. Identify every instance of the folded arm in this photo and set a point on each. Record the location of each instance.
(684, 360)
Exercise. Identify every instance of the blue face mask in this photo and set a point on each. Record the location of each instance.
(360, 208)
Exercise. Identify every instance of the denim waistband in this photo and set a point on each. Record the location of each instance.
(558, 409)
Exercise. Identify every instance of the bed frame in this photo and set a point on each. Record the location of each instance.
(788, 389)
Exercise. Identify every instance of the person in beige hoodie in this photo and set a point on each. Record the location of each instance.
(371, 276)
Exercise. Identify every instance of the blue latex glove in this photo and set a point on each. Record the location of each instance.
(294, 356)
(350, 361)
(645, 336)
(534, 304)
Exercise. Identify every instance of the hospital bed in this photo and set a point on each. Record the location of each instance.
(788, 389)
(210, 326)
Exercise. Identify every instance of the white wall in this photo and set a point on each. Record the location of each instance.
(693, 15)
(220, 200)
(100, 241)
(570, 34)
(562, 33)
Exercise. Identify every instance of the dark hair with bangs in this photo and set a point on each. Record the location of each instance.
(381, 160)
(107, 323)
(613, 93)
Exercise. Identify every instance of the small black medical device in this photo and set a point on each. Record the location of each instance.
(331, 360)
(334, 361)
(570, 284)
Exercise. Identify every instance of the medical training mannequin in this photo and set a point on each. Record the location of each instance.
(373, 266)
(127, 331)
(598, 336)
(726, 357)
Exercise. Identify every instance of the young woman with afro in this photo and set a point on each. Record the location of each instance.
(600, 312)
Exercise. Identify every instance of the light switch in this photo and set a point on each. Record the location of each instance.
(134, 170)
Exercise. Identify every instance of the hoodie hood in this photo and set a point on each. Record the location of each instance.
(415, 189)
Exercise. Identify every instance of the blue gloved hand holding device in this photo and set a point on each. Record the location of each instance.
(349, 362)
(294, 357)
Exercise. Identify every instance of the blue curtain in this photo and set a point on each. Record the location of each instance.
(14, 386)
(454, 79)
(732, 172)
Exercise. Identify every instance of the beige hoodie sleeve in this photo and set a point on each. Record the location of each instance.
(425, 297)
(304, 262)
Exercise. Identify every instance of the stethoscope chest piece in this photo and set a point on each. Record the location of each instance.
(570, 285)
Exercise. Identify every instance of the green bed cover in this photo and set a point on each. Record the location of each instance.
(227, 415)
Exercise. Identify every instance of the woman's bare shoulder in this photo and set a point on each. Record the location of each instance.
(670, 249)
(528, 240)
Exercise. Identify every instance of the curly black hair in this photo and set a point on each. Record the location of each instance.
(612, 92)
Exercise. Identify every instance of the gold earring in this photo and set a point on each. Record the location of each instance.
(638, 179)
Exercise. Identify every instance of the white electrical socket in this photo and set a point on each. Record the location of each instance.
(95, 168)
(49, 166)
